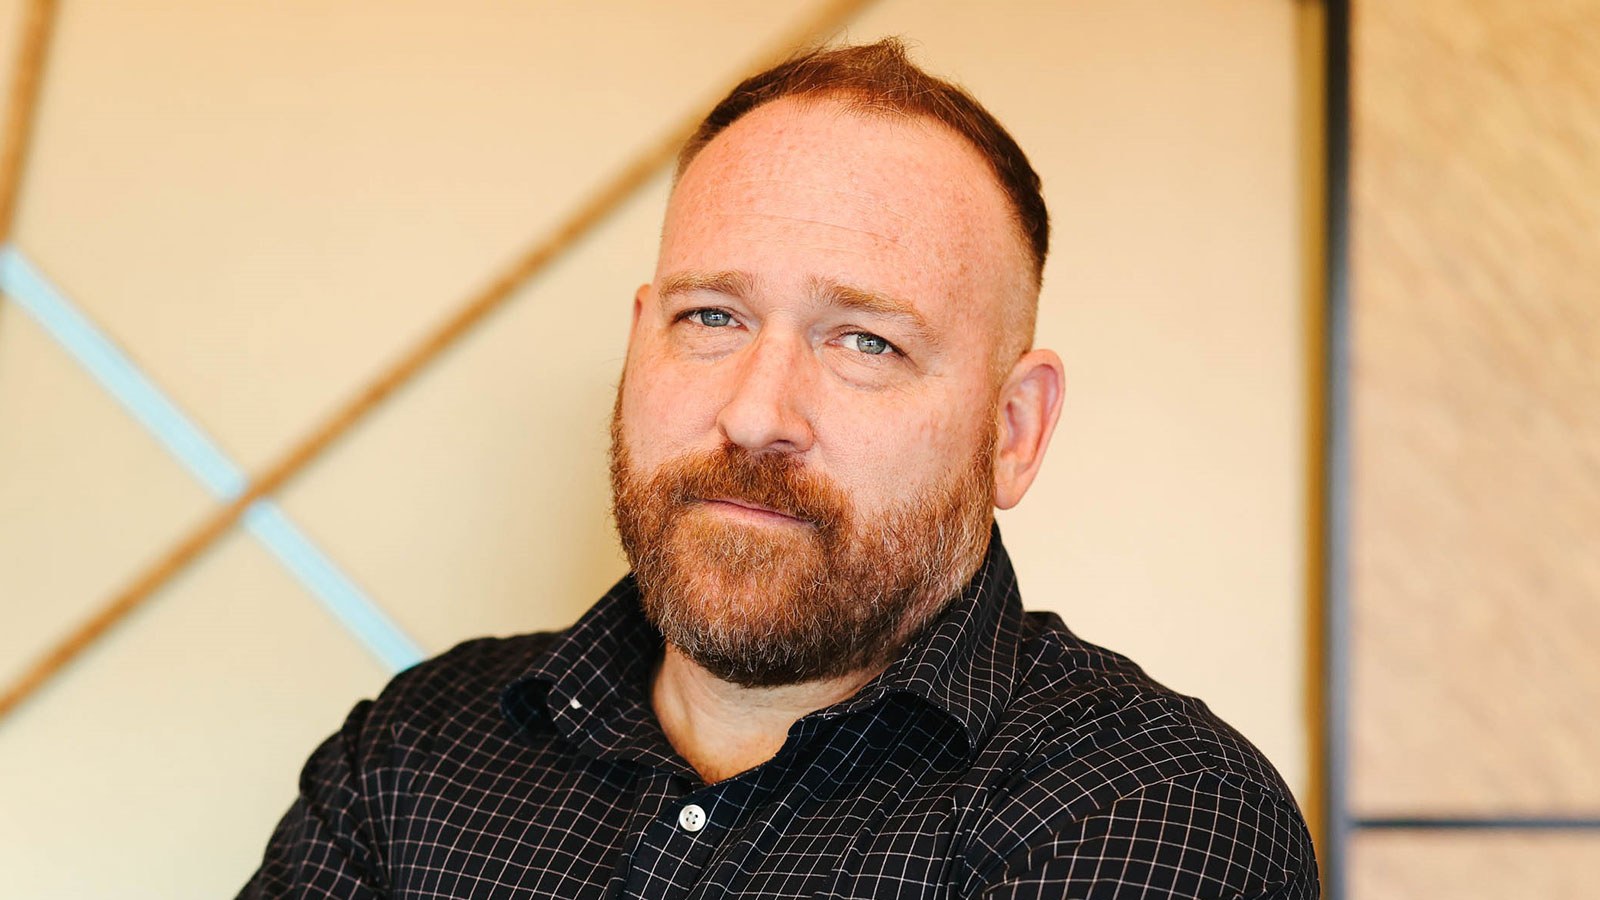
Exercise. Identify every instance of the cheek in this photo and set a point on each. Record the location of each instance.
(888, 456)
(664, 413)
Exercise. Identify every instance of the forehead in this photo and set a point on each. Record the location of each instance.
(801, 189)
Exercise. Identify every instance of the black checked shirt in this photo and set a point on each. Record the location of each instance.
(999, 757)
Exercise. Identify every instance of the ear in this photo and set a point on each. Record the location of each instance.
(1025, 417)
(639, 297)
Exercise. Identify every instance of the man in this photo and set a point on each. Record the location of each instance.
(818, 680)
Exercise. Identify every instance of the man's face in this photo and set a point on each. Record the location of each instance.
(802, 442)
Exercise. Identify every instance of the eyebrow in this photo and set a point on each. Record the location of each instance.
(873, 303)
(733, 284)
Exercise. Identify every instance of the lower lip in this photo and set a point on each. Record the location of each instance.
(751, 514)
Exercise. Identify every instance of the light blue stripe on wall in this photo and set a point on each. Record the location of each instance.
(354, 610)
(201, 456)
(118, 375)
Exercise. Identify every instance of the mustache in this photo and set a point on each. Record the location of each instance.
(771, 480)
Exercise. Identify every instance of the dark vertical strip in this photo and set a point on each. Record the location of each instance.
(1336, 485)
(1479, 823)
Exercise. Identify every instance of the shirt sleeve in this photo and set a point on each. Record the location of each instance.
(1202, 835)
(326, 845)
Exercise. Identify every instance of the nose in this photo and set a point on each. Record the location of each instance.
(767, 409)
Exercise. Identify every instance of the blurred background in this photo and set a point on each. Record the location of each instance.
(367, 266)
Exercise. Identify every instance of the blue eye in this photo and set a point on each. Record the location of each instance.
(870, 344)
(712, 318)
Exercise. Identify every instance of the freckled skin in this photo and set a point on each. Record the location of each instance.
(796, 191)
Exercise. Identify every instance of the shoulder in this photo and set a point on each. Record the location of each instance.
(350, 783)
(1092, 751)
(458, 688)
(1073, 699)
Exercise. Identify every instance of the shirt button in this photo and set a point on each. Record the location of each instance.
(692, 818)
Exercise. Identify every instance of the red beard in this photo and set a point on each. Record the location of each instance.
(763, 604)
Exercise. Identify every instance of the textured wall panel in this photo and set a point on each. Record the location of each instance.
(1477, 403)
(158, 766)
(86, 496)
(1468, 866)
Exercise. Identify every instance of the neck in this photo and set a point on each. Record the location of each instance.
(722, 729)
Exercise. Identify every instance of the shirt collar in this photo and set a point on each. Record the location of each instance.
(964, 663)
(591, 682)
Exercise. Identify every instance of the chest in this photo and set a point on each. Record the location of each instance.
(868, 815)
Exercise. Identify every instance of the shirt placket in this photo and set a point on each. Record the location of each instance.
(681, 838)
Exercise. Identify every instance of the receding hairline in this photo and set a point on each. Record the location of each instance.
(880, 79)
(856, 103)
(848, 99)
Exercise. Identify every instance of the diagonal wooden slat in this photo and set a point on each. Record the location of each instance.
(821, 25)
(25, 81)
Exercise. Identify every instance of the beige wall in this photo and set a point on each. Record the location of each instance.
(265, 204)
